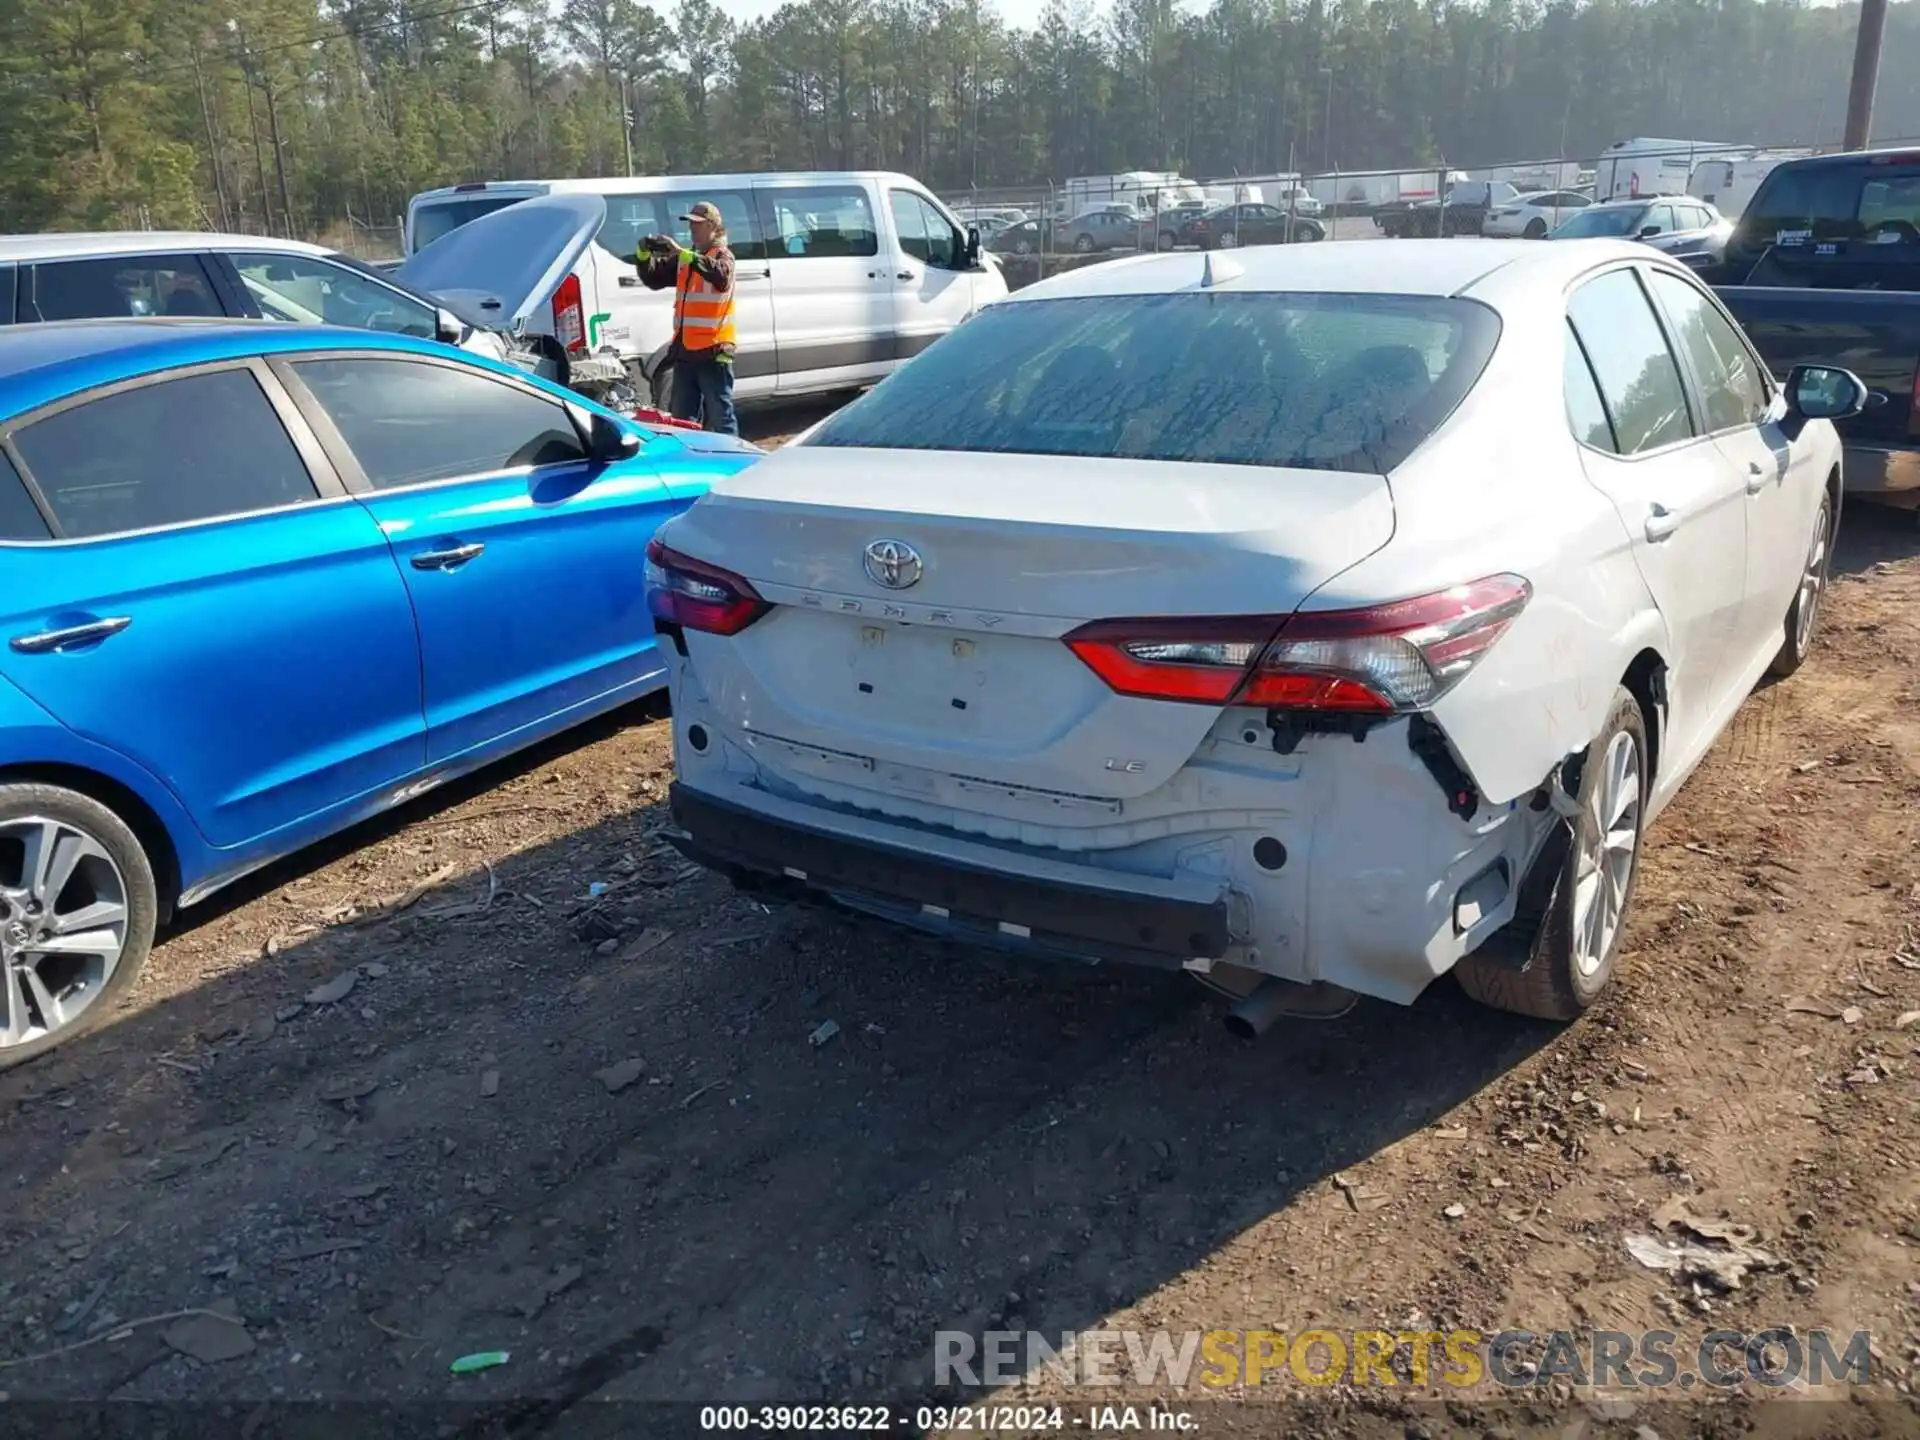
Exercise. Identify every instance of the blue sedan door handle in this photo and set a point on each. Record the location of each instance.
(449, 559)
(71, 636)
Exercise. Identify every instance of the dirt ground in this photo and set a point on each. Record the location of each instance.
(502, 1072)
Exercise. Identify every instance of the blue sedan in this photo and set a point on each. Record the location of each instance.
(259, 582)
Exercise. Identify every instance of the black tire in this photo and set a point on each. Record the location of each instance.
(1536, 229)
(1165, 240)
(1796, 639)
(1532, 967)
(1083, 244)
(1226, 240)
(141, 902)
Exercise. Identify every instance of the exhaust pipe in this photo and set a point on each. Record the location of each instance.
(1252, 1017)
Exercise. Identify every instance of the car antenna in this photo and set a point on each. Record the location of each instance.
(1216, 270)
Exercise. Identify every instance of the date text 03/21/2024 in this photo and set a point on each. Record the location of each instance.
(944, 1419)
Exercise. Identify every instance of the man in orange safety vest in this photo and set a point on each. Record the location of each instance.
(701, 355)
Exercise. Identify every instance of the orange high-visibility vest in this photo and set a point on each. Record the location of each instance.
(702, 315)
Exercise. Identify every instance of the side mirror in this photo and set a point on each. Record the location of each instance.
(448, 328)
(973, 245)
(609, 442)
(1647, 232)
(1825, 392)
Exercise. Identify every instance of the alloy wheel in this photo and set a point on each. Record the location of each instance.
(63, 925)
(1813, 579)
(1608, 841)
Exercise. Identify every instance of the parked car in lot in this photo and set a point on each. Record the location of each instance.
(263, 581)
(1824, 267)
(842, 275)
(1532, 216)
(1689, 230)
(1092, 231)
(1025, 237)
(1369, 665)
(106, 275)
(1249, 224)
(1463, 211)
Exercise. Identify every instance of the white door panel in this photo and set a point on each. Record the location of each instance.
(832, 276)
(932, 292)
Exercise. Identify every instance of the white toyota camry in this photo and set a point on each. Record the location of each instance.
(1318, 618)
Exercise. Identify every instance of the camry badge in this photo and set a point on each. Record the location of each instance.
(892, 563)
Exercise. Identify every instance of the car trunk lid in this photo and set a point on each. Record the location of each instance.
(497, 270)
(958, 667)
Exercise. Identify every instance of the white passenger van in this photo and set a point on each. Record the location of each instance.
(839, 277)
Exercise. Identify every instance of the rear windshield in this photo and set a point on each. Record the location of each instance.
(432, 220)
(1310, 381)
(1601, 221)
(1799, 205)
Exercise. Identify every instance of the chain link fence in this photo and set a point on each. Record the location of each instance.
(1039, 230)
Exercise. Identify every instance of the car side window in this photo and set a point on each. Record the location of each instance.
(411, 422)
(1638, 376)
(199, 447)
(307, 290)
(1660, 216)
(946, 247)
(1586, 414)
(20, 519)
(116, 287)
(910, 219)
(810, 222)
(1732, 393)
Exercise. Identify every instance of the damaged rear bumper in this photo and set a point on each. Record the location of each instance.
(1016, 903)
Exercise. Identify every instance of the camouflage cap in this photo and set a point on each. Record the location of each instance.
(708, 211)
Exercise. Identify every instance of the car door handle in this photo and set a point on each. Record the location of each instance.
(1661, 522)
(905, 275)
(71, 635)
(449, 559)
(629, 282)
(744, 275)
(1756, 477)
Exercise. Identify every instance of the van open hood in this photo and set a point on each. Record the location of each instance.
(496, 271)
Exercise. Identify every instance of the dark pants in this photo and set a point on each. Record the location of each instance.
(703, 391)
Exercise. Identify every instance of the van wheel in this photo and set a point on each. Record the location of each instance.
(1567, 946)
(1803, 616)
(78, 906)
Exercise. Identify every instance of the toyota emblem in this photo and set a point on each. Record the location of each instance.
(893, 564)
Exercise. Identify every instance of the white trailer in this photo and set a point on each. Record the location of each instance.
(1647, 165)
(1728, 185)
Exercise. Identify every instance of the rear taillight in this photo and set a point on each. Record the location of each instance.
(697, 596)
(1383, 659)
(570, 316)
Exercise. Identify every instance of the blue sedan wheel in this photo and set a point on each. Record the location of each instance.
(78, 908)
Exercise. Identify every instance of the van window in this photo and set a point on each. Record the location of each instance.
(438, 217)
(631, 218)
(116, 287)
(810, 222)
(924, 231)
